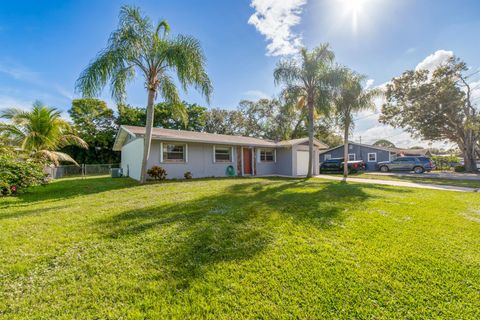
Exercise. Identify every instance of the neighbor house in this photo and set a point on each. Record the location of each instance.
(210, 155)
(371, 155)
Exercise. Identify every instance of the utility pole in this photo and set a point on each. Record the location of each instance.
(360, 139)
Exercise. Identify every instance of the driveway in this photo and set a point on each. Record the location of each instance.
(401, 184)
(431, 175)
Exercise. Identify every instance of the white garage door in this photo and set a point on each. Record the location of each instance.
(302, 163)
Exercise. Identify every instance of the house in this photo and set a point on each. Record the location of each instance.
(371, 155)
(413, 152)
(206, 154)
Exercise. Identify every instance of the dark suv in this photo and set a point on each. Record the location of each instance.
(336, 165)
(415, 164)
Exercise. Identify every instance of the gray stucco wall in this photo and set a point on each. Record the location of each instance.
(131, 158)
(265, 168)
(284, 161)
(361, 153)
(199, 162)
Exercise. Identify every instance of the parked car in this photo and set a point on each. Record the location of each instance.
(415, 164)
(336, 165)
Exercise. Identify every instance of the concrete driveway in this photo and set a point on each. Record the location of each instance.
(401, 184)
(431, 175)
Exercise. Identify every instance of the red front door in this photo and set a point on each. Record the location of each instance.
(247, 161)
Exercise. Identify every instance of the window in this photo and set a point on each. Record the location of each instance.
(351, 157)
(372, 157)
(222, 154)
(174, 152)
(267, 155)
(327, 157)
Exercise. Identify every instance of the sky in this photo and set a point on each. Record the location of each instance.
(44, 45)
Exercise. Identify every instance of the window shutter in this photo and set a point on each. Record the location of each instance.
(186, 153)
(161, 152)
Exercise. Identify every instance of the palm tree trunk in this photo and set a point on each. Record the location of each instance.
(310, 137)
(148, 134)
(345, 149)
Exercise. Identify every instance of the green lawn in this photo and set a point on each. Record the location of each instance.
(105, 248)
(419, 179)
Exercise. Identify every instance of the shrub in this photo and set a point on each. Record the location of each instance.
(157, 173)
(460, 169)
(17, 174)
(188, 175)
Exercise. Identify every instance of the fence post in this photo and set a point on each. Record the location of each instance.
(84, 169)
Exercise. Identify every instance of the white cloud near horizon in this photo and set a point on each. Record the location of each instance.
(274, 19)
(256, 94)
(434, 60)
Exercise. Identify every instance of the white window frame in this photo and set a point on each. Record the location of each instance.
(185, 146)
(368, 157)
(231, 154)
(354, 157)
(274, 152)
(327, 156)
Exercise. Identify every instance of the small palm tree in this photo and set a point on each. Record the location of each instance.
(308, 80)
(40, 132)
(351, 98)
(139, 46)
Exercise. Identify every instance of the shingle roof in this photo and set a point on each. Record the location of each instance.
(203, 137)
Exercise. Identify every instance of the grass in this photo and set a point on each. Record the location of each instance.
(273, 248)
(419, 179)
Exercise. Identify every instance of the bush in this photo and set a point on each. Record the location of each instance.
(157, 173)
(17, 174)
(188, 175)
(460, 169)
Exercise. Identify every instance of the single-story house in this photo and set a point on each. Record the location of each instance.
(210, 155)
(371, 155)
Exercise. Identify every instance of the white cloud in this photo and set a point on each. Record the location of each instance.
(256, 94)
(434, 60)
(369, 83)
(274, 19)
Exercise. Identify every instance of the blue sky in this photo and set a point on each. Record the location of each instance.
(44, 45)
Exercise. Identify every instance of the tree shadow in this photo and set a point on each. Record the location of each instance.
(68, 188)
(236, 224)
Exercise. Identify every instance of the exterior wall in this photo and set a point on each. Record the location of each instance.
(302, 147)
(284, 162)
(361, 153)
(199, 161)
(131, 158)
(264, 168)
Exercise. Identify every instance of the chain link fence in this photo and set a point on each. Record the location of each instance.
(81, 170)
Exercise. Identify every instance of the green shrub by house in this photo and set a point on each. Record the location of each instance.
(17, 174)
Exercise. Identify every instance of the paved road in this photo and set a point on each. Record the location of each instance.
(431, 175)
(401, 184)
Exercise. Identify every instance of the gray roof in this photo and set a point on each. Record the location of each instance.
(361, 145)
(202, 137)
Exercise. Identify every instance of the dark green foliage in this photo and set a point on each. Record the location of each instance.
(167, 115)
(94, 122)
(17, 174)
(188, 175)
(157, 173)
(460, 169)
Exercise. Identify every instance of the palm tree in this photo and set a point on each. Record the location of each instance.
(352, 98)
(40, 132)
(139, 46)
(308, 80)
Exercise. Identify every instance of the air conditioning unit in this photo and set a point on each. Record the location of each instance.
(116, 172)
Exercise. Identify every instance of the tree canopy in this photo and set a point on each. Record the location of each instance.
(384, 143)
(436, 106)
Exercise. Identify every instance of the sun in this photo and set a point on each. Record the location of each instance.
(353, 10)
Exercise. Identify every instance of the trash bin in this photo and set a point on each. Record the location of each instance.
(116, 172)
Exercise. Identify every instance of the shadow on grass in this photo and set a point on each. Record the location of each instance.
(68, 188)
(237, 223)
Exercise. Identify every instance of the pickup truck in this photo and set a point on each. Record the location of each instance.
(336, 166)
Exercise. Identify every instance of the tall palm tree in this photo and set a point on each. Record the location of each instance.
(140, 46)
(309, 80)
(352, 98)
(40, 132)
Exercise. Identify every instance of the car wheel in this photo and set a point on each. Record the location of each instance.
(418, 170)
(384, 169)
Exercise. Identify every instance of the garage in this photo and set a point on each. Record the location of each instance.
(302, 163)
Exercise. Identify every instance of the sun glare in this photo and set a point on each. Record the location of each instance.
(353, 10)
